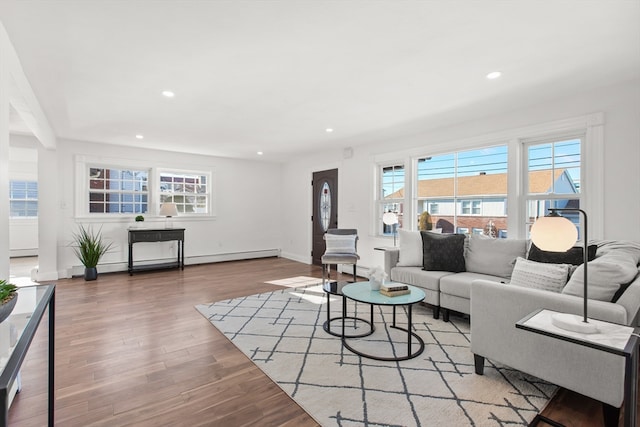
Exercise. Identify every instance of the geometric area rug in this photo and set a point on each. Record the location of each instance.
(282, 333)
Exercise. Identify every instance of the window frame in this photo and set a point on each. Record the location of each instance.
(592, 166)
(81, 201)
(185, 172)
(381, 202)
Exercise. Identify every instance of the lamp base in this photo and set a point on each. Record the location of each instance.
(573, 323)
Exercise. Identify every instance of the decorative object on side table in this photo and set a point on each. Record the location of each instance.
(8, 299)
(168, 210)
(556, 233)
(376, 278)
(394, 289)
(89, 248)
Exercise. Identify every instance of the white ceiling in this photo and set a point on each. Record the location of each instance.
(273, 75)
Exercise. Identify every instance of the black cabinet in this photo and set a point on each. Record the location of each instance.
(156, 235)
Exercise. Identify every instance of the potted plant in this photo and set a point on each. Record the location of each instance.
(89, 248)
(8, 298)
(138, 221)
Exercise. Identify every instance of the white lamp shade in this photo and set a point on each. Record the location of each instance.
(554, 233)
(390, 218)
(168, 209)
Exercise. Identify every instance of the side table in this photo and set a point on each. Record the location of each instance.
(335, 288)
(615, 339)
(32, 303)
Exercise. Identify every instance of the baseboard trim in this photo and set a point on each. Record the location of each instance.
(78, 270)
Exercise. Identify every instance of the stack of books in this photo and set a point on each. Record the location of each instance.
(394, 289)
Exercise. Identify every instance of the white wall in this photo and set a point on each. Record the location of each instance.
(620, 104)
(247, 204)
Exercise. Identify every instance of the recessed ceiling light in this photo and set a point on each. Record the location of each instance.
(494, 75)
(260, 153)
(140, 136)
(168, 93)
(329, 130)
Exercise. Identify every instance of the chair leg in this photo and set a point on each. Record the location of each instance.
(354, 274)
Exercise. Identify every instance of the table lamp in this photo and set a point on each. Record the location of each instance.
(168, 210)
(555, 233)
(390, 218)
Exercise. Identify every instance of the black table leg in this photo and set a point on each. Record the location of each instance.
(52, 349)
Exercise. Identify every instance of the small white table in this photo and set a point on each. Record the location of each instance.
(611, 338)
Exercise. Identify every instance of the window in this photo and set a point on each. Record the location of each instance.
(553, 178)
(464, 190)
(471, 207)
(189, 191)
(118, 191)
(391, 195)
(23, 199)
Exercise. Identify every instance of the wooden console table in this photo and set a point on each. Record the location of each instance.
(156, 235)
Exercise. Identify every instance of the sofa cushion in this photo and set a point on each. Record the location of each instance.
(418, 277)
(573, 256)
(606, 275)
(460, 284)
(442, 252)
(540, 275)
(495, 257)
(410, 248)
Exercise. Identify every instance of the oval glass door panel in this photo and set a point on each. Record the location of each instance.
(325, 206)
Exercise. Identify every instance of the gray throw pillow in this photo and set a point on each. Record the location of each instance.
(539, 275)
(605, 276)
(442, 252)
(495, 257)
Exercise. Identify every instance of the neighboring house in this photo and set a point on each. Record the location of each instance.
(478, 203)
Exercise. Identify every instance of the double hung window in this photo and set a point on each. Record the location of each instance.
(189, 191)
(115, 190)
(553, 178)
(23, 199)
(391, 195)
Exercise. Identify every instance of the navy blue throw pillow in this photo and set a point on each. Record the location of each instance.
(573, 256)
(443, 252)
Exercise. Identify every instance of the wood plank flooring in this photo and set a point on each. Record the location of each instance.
(134, 351)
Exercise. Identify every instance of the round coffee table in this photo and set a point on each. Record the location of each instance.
(335, 288)
(361, 292)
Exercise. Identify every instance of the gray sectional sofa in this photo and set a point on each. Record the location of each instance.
(493, 260)
(503, 292)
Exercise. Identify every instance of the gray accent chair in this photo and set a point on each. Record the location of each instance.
(350, 258)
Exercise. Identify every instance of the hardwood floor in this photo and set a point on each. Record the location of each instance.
(134, 351)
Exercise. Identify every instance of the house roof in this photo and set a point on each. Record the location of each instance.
(480, 185)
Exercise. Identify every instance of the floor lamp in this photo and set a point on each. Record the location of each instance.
(555, 233)
(391, 219)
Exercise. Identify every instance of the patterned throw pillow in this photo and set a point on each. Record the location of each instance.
(540, 275)
(340, 244)
(443, 252)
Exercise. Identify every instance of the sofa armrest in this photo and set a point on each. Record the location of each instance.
(391, 257)
(495, 309)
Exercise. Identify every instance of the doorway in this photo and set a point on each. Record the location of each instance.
(325, 209)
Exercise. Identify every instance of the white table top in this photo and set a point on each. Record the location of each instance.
(609, 335)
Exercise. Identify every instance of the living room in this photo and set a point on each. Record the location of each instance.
(261, 205)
